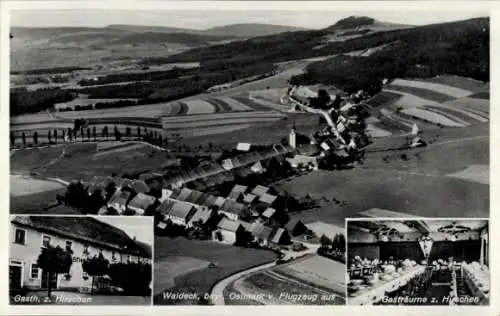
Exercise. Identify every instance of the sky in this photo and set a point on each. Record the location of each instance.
(140, 227)
(202, 19)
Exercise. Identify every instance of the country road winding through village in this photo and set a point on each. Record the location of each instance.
(217, 293)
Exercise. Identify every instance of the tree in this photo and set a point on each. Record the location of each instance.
(76, 195)
(12, 139)
(54, 260)
(70, 134)
(133, 278)
(138, 131)
(75, 133)
(325, 241)
(50, 136)
(96, 266)
(160, 140)
(55, 136)
(64, 135)
(128, 132)
(24, 139)
(105, 132)
(339, 242)
(94, 133)
(110, 190)
(35, 138)
(95, 202)
(88, 134)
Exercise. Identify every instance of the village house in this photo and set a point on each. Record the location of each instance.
(85, 237)
(119, 201)
(140, 203)
(177, 212)
(295, 227)
(231, 209)
(201, 218)
(260, 190)
(229, 231)
(279, 237)
(237, 193)
(261, 233)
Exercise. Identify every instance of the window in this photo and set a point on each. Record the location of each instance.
(68, 245)
(20, 237)
(34, 271)
(45, 240)
(85, 275)
(113, 256)
(85, 250)
(128, 258)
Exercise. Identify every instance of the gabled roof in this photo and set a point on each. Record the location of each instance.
(120, 197)
(219, 201)
(201, 215)
(276, 237)
(140, 186)
(269, 212)
(268, 198)
(229, 225)
(249, 198)
(260, 190)
(261, 231)
(231, 206)
(165, 207)
(181, 210)
(142, 201)
(294, 222)
(145, 249)
(237, 191)
(195, 195)
(184, 194)
(245, 225)
(84, 228)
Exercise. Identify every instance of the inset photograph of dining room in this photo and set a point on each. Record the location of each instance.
(418, 262)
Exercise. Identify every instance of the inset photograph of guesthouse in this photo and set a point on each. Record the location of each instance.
(418, 262)
(80, 260)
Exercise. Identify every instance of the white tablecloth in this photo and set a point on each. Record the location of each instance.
(375, 294)
(478, 282)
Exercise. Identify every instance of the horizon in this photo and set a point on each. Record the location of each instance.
(201, 20)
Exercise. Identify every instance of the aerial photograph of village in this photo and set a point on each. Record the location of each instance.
(248, 137)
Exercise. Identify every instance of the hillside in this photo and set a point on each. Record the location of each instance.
(459, 48)
(250, 30)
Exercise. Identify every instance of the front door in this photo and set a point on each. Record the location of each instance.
(15, 277)
(45, 280)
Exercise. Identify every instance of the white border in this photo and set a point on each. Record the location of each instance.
(420, 6)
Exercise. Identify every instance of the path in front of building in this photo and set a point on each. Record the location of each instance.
(74, 298)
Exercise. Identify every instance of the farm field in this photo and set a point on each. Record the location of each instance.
(25, 185)
(79, 161)
(262, 133)
(167, 269)
(430, 102)
(229, 259)
(36, 203)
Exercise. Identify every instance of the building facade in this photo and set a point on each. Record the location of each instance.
(26, 242)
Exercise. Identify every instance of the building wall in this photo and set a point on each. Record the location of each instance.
(176, 220)
(228, 237)
(28, 253)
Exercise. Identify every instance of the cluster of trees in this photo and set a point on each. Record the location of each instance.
(333, 248)
(138, 76)
(24, 101)
(45, 71)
